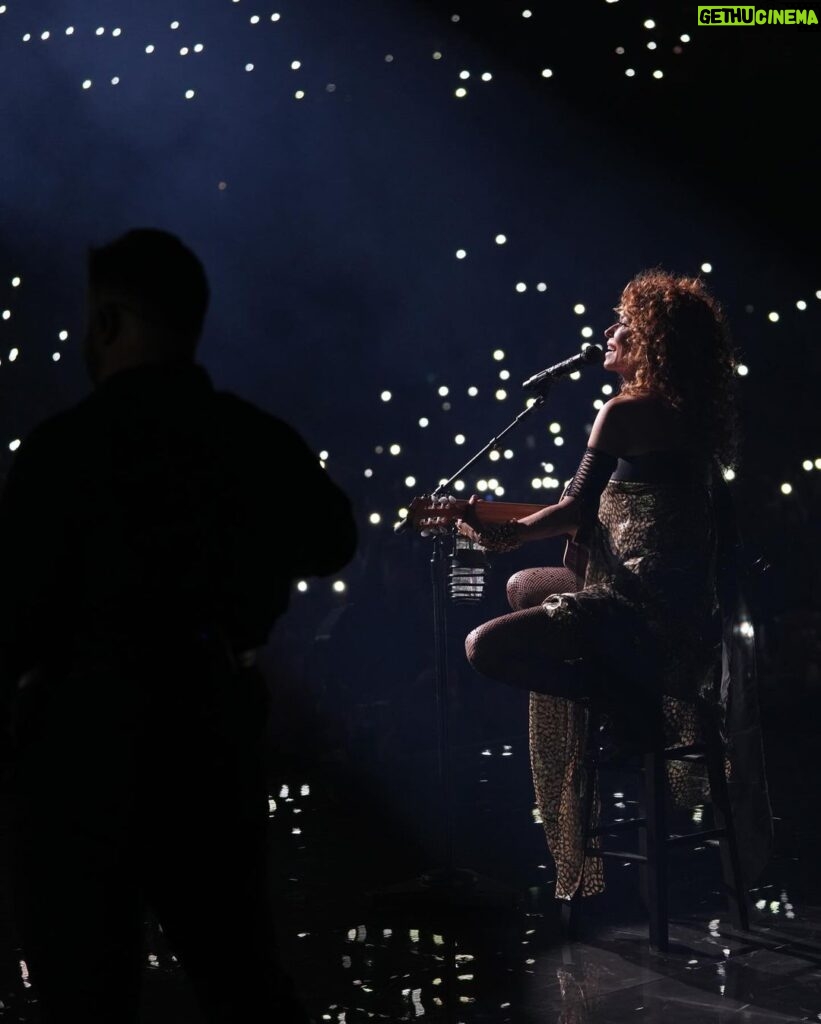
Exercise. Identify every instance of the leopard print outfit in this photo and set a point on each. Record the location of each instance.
(648, 606)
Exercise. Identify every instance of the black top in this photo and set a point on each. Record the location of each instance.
(659, 467)
(155, 506)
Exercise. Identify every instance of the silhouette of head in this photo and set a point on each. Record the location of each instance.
(147, 299)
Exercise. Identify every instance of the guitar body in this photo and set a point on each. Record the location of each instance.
(575, 559)
(576, 553)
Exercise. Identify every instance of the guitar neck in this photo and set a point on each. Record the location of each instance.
(502, 511)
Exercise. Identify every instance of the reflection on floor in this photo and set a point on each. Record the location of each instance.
(338, 836)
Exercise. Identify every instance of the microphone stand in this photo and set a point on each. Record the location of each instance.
(448, 886)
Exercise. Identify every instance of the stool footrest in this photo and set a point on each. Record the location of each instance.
(592, 851)
(696, 837)
(633, 762)
(690, 838)
(617, 826)
(681, 753)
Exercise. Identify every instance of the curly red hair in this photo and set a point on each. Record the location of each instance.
(680, 347)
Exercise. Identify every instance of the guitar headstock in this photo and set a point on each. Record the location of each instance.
(434, 514)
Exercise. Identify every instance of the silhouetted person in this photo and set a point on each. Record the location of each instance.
(150, 538)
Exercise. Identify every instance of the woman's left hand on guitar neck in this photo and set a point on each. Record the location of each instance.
(493, 537)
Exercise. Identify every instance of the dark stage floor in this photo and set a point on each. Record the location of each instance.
(337, 837)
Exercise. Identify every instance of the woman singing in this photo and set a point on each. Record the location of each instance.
(642, 631)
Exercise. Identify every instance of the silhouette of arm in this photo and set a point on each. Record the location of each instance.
(323, 538)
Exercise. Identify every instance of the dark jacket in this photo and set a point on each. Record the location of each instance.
(157, 507)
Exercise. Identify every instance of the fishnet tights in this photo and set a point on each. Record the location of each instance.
(519, 648)
(528, 588)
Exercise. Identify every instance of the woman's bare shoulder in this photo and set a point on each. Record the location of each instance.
(610, 431)
(634, 423)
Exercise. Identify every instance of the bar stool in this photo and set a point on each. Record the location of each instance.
(654, 838)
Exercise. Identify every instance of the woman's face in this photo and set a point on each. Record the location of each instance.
(618, 341)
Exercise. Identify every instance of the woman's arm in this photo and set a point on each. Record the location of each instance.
(608, 437)
(563, 517)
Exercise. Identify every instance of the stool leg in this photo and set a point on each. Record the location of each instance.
(653, 844)
(723, 818)
(569, 918)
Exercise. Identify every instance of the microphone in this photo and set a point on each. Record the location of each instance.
(589, 356)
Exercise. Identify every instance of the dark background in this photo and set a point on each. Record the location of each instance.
(329, 227)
